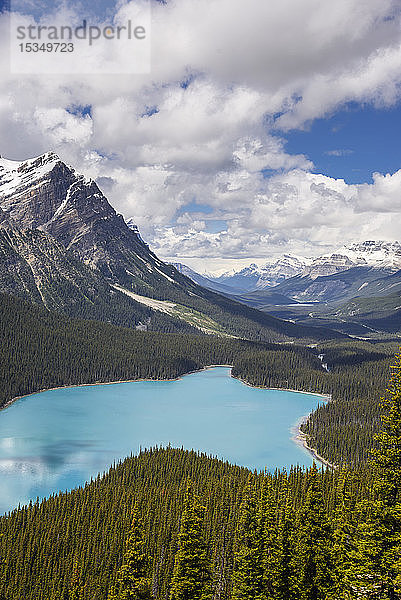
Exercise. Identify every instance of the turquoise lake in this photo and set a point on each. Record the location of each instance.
(57, 440)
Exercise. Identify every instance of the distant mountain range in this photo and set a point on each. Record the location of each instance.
(357, 301)
(354, 289)
(63, 246)
(379, 255)
(255, 277)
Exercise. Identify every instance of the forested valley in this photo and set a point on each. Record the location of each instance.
(40, 350)
(172, 524)
(176, 525)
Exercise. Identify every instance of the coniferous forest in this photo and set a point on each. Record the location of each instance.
(189, 185)
(177, 525)
(40, 350)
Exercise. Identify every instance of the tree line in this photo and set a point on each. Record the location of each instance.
(177, 525)
(41, 349)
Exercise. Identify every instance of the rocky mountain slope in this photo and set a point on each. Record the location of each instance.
(202, 280)
(259, 277)
(384, 256)
(340, 286)
(359, 301)
(46, 194)
(35, 267)
(44, 197)
(378, 313)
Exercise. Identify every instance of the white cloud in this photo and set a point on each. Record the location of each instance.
(384, 196)
(298, 211)
(158, 146)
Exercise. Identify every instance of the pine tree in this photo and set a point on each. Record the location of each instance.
(279, 553)
(191, 574)
(76, 589)
(312, 566)
(248, 554)
(345, 523)
(386, 509)
(132, 581)
(268, 536)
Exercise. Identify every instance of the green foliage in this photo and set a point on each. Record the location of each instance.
(89, 526)
(191, 573)
(278, 537)
(41, 350)
(132, 581)
(311, 564)
(248, 570)
(288, 536)
(302, 535)
(344, 429)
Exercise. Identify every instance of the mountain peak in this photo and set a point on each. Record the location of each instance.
(374, 253)
(46, 194)
(18, 176)
(38, 161)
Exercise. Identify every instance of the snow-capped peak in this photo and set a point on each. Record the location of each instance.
(17, 176)
(374, 254)
(378, 254)
(38, 161)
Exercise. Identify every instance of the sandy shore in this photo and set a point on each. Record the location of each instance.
(298, 436)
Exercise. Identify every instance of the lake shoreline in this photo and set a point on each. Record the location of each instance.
(301, 439)
(76, 385)
(298, 436)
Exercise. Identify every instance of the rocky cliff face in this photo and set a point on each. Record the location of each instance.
(37, 268)
(46, 194)
(328, 265)
(39, 205)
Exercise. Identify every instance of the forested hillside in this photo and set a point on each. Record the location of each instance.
(63, 246)
(341, 430)
(175, 525)
(41, 349)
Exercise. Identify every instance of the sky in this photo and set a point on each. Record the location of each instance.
(261, 128)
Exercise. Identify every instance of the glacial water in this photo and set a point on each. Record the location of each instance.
(59, 439)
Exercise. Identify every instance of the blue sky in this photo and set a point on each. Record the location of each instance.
(355, 142)
(99, 9)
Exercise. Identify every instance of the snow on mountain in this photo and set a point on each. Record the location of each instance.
(17, 176)
(324, 266)
(202, 279)
(270, 274)
(378, 254)
(283, 268)
(134, 227)
(46, 194)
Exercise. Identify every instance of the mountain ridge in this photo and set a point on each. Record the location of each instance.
(51, 198)
(380, 255)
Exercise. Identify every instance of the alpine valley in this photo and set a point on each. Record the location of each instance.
(84, 301)
(200, 300)
(64, 247)
(356, 290)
